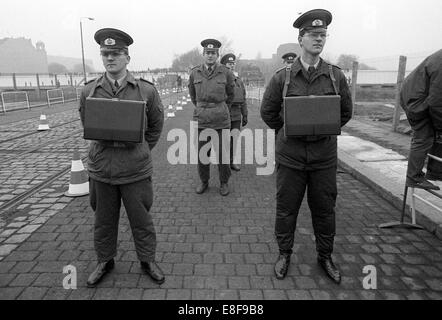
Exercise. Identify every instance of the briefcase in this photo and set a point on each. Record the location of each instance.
(312, 115)
(115, 120)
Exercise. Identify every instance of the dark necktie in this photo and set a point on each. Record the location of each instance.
(209, 70)
(116, 84)
(311, 71)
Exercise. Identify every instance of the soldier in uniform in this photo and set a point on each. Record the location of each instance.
(122, 171)
(238, 108)
(421, 98)
(211, 88)
(179, 83)
(289, 58)
(306, 162)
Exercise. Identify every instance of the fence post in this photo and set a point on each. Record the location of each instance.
(14, 82)
(38, 86)
(72, 82)
(354, 83)
(400, 80)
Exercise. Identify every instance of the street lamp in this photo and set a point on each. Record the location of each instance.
(82, 47)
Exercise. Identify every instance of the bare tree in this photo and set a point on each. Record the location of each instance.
(187, 60)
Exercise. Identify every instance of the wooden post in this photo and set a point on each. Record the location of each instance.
(354, 84)
(38, 86)
(72, 82)
(14, 82)
(400, 80)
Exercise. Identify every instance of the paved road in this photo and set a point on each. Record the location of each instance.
(212, 247)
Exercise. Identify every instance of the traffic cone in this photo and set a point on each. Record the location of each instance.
(43, 124)
(79, 184)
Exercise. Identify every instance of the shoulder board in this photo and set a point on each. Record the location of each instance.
(280, 69)
(90, 81)
(193, 68)
(142, 79)
(333, 65)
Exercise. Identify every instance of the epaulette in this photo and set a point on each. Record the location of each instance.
(142, 79)
(333, 65)
(90, 81)
(280, 69)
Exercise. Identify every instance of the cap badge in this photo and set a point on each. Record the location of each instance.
(109, 42)
(231, 59)
(210, 46)
(317, 23)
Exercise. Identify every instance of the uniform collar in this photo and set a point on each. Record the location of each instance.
(214, 66)
(321, 66)
(129, 78)
(203, 68)
(306, 65)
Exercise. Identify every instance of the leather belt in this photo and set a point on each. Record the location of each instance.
(207, 104)
(115, 144)
(312, 138)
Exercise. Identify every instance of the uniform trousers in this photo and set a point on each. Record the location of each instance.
(321, 197)
(105, 200)
(422, 143)
(233, 125)
(223, 168)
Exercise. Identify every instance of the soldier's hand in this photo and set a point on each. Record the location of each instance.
(244, 121)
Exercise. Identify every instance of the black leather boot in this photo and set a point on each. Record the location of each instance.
(100, 271)
(330, 269)
(224, 189)
(282, 266)
(422, 184)
(202, 187)
(154, 271)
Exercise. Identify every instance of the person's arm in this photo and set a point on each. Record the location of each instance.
(155, 119)
(271, 104)
(192, 91)
(414, 94)
(434, 99)
(82, 105)
(346, 101)
(230, 87)
(244, 111)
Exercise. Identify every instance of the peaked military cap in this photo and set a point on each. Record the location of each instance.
(109, 38)
(317, 18)
(211, 44)
(289, 56)
(230, 57)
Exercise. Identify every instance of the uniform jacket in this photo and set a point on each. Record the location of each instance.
(421, 92)
(120, 163)
(211, 95)
(301, 153)
(238, 107)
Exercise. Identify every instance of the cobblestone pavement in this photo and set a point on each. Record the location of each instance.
(214, 247)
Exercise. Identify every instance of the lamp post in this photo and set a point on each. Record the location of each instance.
(82, 47)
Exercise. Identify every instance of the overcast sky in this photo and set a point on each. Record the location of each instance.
(163, 28)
